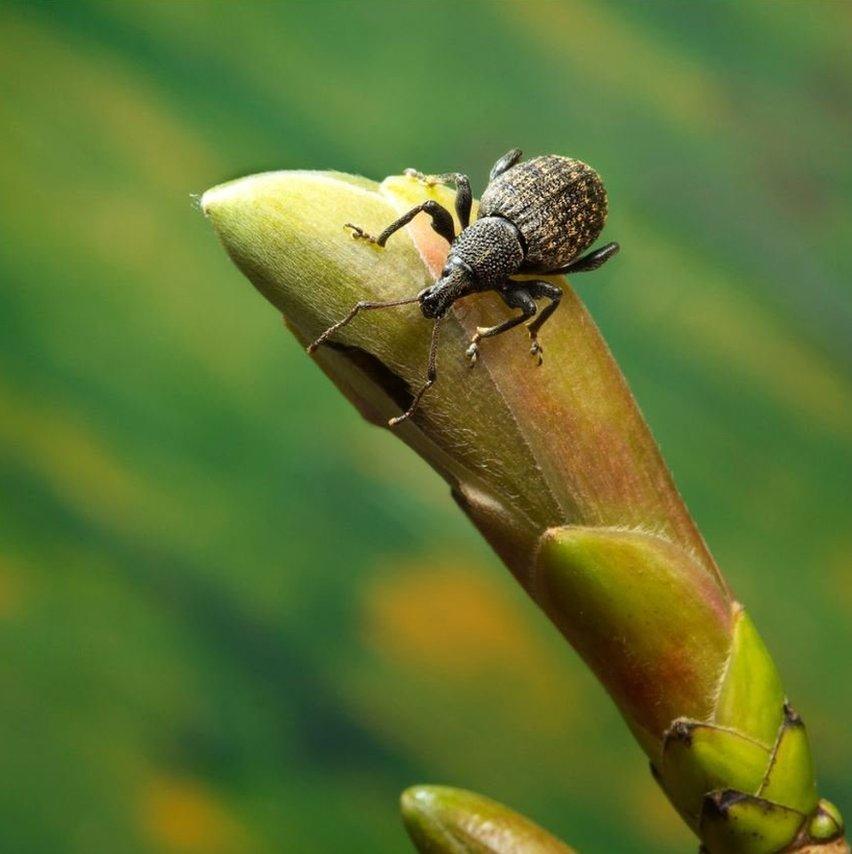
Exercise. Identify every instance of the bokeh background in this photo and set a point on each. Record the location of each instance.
(235, 618)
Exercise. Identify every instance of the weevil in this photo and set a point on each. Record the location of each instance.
(535, 217)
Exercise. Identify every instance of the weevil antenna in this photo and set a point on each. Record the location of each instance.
(363, 305)
(431, 375)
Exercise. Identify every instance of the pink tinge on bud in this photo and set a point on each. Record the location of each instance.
(646, 618)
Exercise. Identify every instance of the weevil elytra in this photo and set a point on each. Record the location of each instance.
(534, 217)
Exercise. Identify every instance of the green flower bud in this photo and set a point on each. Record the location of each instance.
(441, 820)
(558, 470)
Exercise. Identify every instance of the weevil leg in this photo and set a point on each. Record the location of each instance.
(464, 197)
(363, 305)
(431, 376)
(539, 290)
(442, 223)
(590, 261)
(515, 295)
(506, 162)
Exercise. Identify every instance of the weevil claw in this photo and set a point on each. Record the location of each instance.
(536, 351)
(358, 233)
(472, 353)
(428, 180)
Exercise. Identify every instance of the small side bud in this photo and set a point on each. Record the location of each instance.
(443, 820)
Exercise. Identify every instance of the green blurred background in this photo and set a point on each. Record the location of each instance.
(235, 618)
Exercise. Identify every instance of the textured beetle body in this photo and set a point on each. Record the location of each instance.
(534, 217)
(558, 204)
(492, 248)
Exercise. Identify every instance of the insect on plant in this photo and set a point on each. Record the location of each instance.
(534, 218)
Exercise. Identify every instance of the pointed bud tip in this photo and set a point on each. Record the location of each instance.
(417, 799)
(219, 196)
(427, 816)
(445, 819)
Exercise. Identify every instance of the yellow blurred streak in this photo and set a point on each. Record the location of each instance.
(334, 98)
(729, 333)
(133, 220)
(437, 616)
(446, 618)
(128, 113)
(11, 589)
(181, 816)
(78, 466)
(836, 577)
(67, 456)
(608, 51)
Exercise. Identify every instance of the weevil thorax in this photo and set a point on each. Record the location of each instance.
(480, 259)
(492, 248)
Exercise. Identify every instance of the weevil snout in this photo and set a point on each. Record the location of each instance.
(455, 282)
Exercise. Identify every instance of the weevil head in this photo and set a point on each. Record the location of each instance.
(435, 301)
(456, 281)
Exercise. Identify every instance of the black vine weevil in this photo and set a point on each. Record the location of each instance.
(534, 217)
